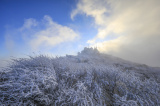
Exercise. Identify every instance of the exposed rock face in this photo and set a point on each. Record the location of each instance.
(90, 78)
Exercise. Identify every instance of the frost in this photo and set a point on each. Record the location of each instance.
(88, 79)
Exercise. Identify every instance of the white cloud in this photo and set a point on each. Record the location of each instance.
(52, 35)
(134, 24)
(28, 23)
(39, 35)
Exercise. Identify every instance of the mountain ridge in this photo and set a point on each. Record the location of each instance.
(90, 78)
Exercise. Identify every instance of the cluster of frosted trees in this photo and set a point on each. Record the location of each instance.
(88, 79)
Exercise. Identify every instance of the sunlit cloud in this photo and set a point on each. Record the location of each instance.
(38, 35)
(52, 35)
(134, 24)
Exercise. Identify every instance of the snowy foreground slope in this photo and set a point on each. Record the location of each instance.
(88, 79)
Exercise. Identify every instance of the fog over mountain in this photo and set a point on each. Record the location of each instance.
(88, 79)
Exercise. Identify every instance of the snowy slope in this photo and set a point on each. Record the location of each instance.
(90, 78)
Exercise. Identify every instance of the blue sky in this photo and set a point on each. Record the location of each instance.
(15, 12)
(123, 28)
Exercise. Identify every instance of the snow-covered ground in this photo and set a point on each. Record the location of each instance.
(88, 79)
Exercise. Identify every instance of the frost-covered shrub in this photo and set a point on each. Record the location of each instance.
(90, 78)
(28, 81)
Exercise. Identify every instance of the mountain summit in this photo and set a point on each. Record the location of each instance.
(90, 78)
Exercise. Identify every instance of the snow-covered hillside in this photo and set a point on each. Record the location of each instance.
(88, 79)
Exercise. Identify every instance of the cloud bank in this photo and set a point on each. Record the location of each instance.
(39, 35)
(126, 28)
